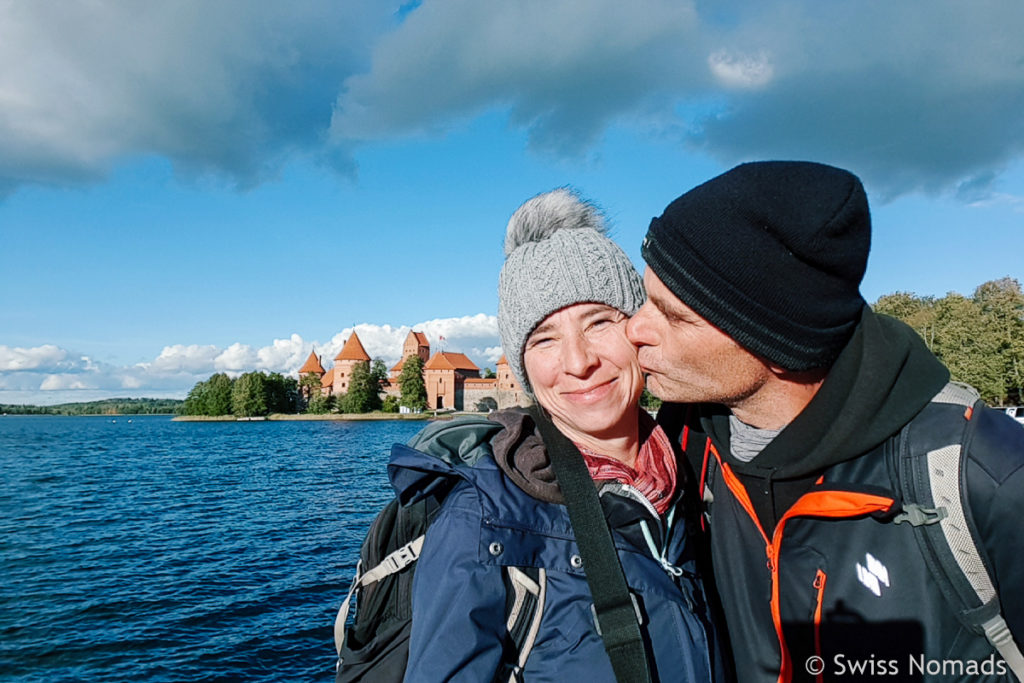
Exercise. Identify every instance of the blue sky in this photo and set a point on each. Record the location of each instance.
(189, 187)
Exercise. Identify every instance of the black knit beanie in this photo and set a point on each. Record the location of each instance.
(772, 253)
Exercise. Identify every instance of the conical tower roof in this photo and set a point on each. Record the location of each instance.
(353, 350)
(312, 364)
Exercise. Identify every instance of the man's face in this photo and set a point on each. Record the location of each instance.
(686, 358)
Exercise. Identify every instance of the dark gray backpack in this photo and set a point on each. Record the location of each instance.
(375, 646)
(933, 488)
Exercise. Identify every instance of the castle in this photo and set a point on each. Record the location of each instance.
(452, 380)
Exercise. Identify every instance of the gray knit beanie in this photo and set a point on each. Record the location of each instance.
(557, 255)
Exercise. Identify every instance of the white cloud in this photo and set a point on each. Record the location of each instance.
(565, 68)
(914, 95)
(231, 86)
(493, 353)
(461, 332)
(741, 71)
(283, 354)
(236, 358)
(14, 359)
(57, 382)
(179, 358)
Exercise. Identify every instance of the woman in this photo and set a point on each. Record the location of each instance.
(566, 292)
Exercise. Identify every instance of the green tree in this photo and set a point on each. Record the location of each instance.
(248, 396)
(318, 403)
(649, 401)
(918, 312)
(218, 395)
(364, 387)
(488, 374)
(282, 393)
(309, 388)
(968, 347)
(195, 401)
(389, 404)
(378, 376)
(410, 382)
(1002, 306)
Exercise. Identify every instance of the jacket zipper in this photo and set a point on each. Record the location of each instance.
(826, 504)
(819, 585)
(632, 493)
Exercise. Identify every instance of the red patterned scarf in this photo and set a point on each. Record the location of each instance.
(653, 474)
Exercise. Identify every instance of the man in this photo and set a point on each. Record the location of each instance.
(800, 410)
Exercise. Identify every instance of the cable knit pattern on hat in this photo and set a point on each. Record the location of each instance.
(557, 254)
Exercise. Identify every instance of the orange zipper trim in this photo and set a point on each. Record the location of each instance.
(828, 504)
(819, 584)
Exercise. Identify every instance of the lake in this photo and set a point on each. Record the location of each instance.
(140, 549)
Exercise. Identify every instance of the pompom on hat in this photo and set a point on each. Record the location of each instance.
(557, 255)
(772, 253)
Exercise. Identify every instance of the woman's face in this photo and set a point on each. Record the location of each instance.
(584, 370)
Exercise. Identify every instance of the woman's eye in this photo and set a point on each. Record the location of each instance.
(604, 322)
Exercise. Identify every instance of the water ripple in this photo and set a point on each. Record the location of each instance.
(159, 551)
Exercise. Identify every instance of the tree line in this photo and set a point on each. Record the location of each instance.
(249, 395)
(107, 406)
(255, 394)
(980, 338)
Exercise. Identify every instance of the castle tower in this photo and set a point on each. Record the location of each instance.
(416, 344)
(312, 366)
(351, 354)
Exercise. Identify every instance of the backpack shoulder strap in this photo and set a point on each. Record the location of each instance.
(932, 483)
(392, 564)
(389, 578)
(616, 613)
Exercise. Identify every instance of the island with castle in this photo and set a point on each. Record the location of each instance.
(452, 380)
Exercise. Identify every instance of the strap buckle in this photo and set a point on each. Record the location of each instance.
(916, 515)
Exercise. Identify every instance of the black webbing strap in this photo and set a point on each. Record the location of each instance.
(614, 606)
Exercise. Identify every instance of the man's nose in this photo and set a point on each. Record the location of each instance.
(636, 327)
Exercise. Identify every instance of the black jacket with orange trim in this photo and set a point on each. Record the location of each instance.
(816, 580)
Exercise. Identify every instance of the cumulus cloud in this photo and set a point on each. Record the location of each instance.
(564, 69)
(231, 86)
(917, 95)
(283, 353)
(13, 359)
(57, 382)
(913, 95)
(51, 374)
(186, 359)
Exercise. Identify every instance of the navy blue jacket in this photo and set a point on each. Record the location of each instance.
(487, 522)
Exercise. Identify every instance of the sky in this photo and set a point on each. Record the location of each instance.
(194, 187)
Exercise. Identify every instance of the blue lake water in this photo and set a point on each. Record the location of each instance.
(141, 549)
